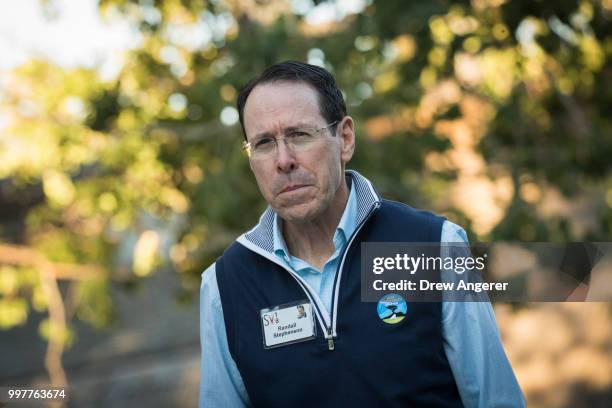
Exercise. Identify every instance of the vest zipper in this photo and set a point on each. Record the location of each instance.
(330, 339)
(331, 330)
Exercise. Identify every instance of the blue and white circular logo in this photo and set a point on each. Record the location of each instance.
(392, 308)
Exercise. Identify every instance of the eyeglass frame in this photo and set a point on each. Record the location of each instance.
(247, 146)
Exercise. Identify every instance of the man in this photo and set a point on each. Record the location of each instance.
(306, 251)
(301, 312)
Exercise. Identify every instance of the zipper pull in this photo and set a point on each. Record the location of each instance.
(330, 340)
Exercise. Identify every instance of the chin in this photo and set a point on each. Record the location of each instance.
(299, 213)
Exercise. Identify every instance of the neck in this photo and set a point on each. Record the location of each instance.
(313, 241)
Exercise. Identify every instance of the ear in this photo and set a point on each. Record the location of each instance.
(346, 133)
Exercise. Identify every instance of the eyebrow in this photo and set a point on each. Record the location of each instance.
(299, 126)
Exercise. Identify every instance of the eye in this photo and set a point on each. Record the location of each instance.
(298, 134)
(263, 142)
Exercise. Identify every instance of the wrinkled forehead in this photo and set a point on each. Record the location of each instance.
(272, 107)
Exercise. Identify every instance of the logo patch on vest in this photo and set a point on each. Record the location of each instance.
(392, 308)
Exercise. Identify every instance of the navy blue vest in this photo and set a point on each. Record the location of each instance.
(373, 364)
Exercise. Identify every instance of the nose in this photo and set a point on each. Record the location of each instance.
(285, 157)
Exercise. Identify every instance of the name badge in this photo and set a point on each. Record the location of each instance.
(288, 324)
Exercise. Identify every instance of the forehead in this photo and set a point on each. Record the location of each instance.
(272, 107)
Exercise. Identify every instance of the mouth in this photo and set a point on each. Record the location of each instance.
(293, 188)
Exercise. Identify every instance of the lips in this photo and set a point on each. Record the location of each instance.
(292, 188)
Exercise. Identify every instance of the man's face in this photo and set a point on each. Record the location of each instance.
(300, 186)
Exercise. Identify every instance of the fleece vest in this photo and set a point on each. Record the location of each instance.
(372, 363)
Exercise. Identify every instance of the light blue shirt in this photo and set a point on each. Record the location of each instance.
(472, 344)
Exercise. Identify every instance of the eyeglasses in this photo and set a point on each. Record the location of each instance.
(297, 140)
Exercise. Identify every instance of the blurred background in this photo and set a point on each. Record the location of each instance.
(122, 177)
